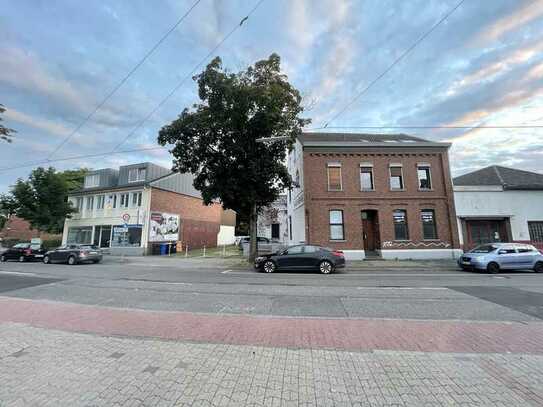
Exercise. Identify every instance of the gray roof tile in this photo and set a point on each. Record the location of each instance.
(508, 178)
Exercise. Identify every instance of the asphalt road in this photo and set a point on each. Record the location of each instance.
(222, 287)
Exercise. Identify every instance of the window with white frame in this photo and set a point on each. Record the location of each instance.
(136, 174)
(90, 203)
(334, 177)
(124, 201)
(396, 177)
(136, 199)
(366, 177)
(337, 230)
(423, 173)
(100, 202)
(79, 203)
(92, 181)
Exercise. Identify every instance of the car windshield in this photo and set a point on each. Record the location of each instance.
(484, 248)
(88, 247)
(21, 245)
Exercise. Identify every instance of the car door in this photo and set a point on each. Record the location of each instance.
(291, 259)
(507, 257)
(310, 258)
(54, 255)
(526, 256)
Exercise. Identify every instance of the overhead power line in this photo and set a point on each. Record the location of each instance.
(429, 127)
(188, 76)
(121, 83)
(115, 150)
(79, 157)
(396, 61)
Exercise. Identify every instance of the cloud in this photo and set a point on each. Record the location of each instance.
(523, 16)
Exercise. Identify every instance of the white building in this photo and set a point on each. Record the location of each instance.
(273, 221)
(499, 204)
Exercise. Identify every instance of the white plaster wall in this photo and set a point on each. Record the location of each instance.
(421, 254)
(296, 205)
(226, 235)
(520, 206)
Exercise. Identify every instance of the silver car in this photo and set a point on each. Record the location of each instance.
(494, 257)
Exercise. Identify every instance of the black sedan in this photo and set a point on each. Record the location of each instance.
(73, 254)
(302, 257)
(23, 252)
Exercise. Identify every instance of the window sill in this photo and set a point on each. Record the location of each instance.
(431, 240)
(426, 189)
(397, 189)
(335, 190)
(367, 190)
(402, 241)
(337, 241)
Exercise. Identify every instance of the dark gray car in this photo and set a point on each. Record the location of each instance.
(302, 257)
(73, 254)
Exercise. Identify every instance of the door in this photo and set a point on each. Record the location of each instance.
(486, 231)
(105, 236)
(310, 257)
(508, 258)
(275, 230)
(293, 259)
(370, 231)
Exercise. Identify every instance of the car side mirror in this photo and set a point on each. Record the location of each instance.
(502, 251)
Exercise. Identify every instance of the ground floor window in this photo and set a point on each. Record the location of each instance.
(536, 231)
(275, 230)
(126, 236)
(336, 225)
(428, 219)
(400, 225)
(102, 235)
(80, 235)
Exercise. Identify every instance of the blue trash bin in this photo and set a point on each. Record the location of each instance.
(163, 249)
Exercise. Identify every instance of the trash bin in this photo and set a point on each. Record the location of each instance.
(163, 249)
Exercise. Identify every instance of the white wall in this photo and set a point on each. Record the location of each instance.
(226, 235)
(519, 206)
(296, 205)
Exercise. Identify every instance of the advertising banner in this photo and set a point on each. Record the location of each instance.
(163, 227)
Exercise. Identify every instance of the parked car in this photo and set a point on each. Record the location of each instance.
(494, 257)
(23, 252)
(73, 254)
(247, 239)
(302, 257)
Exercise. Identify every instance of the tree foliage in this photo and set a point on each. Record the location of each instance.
(42, 199)
(216, 139)
(6, 134)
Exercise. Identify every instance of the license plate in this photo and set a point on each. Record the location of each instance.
(38, 255)
(465, 262)
(93, 253)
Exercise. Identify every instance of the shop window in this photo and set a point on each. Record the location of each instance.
(126, 236)
(80, 235)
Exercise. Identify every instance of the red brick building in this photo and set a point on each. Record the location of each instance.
(376, 195)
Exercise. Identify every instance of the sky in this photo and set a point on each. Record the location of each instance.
(482, 66)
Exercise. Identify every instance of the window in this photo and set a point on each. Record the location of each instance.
(100, 202)
(290, 227)
(295, 250)
(334, 177)
(124, 201)
(336, 225)
(90, 203)
(423, 172)
(310, 249)
(366, 178)
(400, 225)
(136, 174)
(396, 177)
(136, 199)
(429, 230)
(536, 231)
(79, 203)
(92, 181)
(113, 199)
(80, 235)
(526, 249)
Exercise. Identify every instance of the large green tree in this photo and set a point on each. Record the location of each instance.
(42, 199)
(6, 133)
(216, 139)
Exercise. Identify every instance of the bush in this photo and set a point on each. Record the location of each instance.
(51, 243)
(10, 242)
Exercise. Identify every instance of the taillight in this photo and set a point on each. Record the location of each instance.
(338, 253)
(28, 252)
(84, 252)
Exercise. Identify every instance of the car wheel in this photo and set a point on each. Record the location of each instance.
(269, 267)
(71, 260)
(538, 268)
(326, 267)
(493, 267)
(46, 259)
(96, 261)
(3, 258)
(22, 259)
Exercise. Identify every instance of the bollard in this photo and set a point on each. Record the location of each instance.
(186, 250)
(223, 250)
(204, 255)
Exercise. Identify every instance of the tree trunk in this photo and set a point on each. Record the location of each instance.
(253, 220)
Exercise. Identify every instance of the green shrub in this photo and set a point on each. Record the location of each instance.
(51, 243)
(10, 242)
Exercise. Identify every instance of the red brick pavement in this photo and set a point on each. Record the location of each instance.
(348, 334)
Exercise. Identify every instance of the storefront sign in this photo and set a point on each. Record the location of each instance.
(163, 227)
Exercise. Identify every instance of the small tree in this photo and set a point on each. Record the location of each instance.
(216, 139)
(6, 133)
(42, 199)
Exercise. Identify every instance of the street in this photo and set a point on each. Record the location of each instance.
(170, 331)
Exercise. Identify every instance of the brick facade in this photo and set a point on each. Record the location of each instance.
(199, 223)
(319, 200)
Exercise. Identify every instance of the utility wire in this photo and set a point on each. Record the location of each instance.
(121, 83)
(78, 157)
(396, 61)
(115, 151)
(429, 127)
(188, 76)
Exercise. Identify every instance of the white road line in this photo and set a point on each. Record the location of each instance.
(19, 273)
(401, 288)
(226, 271)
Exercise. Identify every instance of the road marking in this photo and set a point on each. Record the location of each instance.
(401, 288)
(226, 271)
(20, 273)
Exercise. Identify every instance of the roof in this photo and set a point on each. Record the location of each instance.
(508, 178)
(325, 139)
